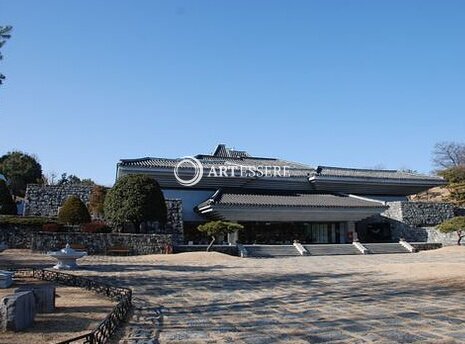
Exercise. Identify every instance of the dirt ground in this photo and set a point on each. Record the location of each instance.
(77, 312)
(433, 266)
(202, 297)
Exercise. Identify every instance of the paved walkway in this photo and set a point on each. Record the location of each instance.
(349, 299)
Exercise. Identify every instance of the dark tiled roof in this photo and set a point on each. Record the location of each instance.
(226, 156)
(149, 162)
(339, 172)
(225, 152)
(325, 200)
(295, 169)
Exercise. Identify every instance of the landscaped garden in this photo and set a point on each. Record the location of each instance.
(211, 297)
(77, 312)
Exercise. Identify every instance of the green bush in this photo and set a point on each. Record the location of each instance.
(455, 224)
(135, 198)
(25, 220)
(454, 174)
(73, 212)
(214, 228)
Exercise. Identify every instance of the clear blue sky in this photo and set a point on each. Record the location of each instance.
(345, 83)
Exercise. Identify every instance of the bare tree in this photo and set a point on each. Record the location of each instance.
(5, 34)
(50, 178)
(448, 154)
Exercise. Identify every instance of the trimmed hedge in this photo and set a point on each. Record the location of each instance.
(25, 220)
(73, 212)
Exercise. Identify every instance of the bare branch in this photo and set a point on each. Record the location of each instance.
(5, 34)
(448, 154)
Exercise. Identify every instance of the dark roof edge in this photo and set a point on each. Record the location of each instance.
(359, 169)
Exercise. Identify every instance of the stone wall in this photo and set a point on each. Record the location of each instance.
(174, 223)
(435, 236)
(419, 213)
(426, 214)
(22, 236)
(417, 221)
(173, 226)
(30, 237)
(100, 243)
(17, 236)
(44, 200)
(426, 246)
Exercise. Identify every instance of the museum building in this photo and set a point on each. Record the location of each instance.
(279, 201)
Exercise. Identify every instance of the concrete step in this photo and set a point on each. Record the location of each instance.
(331, 249)
(269, 251)
(385, 248)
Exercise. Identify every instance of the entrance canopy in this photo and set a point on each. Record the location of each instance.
(288, 207)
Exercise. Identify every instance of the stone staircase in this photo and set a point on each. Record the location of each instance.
(385, 248)
(269, 251)
(331, 249)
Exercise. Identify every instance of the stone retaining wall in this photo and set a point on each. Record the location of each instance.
(28, 236)
(422, 246)
(420, 214)
(174, 223)
(417, 221)
(100, 243)
(435, 236)
(44, 200)
(17, 236)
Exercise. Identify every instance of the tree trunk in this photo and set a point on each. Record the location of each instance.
(136, 226)
(460, 235)
(211, 244)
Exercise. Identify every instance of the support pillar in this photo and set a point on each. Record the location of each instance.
(232, 238)
(342, 233)
(351, 230)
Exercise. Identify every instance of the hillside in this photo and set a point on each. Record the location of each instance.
(437, 194)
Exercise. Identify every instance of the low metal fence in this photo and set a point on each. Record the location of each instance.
(115, 318)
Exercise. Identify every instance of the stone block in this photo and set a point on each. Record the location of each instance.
(6, 279)
(44, 295)
(17, 311)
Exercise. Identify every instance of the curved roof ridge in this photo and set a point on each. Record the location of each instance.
(360, 169)
(147, 158)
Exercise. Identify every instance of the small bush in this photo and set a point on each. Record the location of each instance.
(96, 227)
(455, 224)
(25, 220)
(52, 227)
(73, 212)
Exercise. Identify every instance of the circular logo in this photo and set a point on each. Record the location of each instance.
(189, 161)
